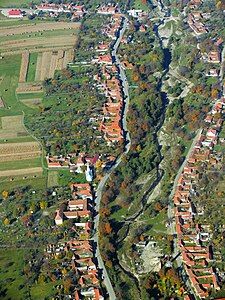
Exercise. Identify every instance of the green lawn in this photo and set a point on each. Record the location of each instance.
(20, 164)
(32, 67)
(65, 177)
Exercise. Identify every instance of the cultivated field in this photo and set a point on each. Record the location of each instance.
(32, 103)
(1, 102)
(17, 151)
(12, 127)
(9, 47)
(29, 171)
(31, 52)
(49, 62)
(42, 37)
(29, 88)
(37, 27)
(24, 66)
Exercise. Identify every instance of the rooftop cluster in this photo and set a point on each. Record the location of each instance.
(193, 239)
(78, 253)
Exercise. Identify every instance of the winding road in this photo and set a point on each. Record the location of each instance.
(106, 279)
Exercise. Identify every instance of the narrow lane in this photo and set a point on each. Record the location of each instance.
(106, 279)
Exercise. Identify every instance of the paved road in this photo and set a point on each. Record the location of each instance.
(222, 67)
(170, 213)
(106, 279)
(172, 229)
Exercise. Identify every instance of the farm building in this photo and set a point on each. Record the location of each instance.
(15, 13)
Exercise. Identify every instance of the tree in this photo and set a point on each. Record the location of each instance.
(5, 195)
(6, 221)
(43, 204)
(107, 228)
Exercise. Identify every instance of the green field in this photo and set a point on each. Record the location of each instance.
(23, 96)
(9, 22)
(16, 3)
(17, 140)
(20, 164)
(32, 67)
(38, 182)
(9, 73)
(49, 33)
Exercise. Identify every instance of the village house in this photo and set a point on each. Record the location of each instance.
(194, 21)
(214, 57)
(193, 238)
(107, 10)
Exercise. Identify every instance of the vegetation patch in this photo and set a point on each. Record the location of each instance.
(65, 177)
(32, 67)
(53, 178)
